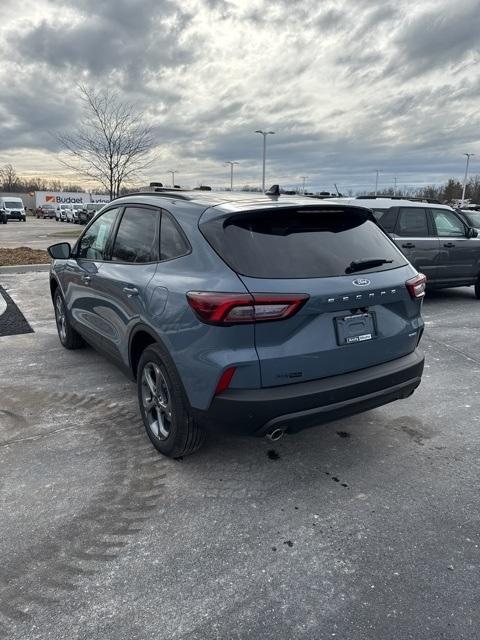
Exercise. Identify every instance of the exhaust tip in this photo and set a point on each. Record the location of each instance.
(275, 434)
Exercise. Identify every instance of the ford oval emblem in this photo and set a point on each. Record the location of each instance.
(361, 282)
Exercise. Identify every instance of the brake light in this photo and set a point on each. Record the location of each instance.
(242, 308)
(417, 285)
(225, 380)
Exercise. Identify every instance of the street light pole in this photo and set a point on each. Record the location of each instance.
(469, 155)
(264, 134)
(377, 171)
(173, 175)
(231, 172)
(395, 187)
(303, 183)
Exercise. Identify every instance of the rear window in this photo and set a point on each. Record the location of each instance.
(300, 243)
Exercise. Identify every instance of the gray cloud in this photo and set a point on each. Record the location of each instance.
(439, 37)
(347, 85)
(132, 38)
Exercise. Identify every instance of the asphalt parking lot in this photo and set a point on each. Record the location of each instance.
(367, 528)
(37, 234)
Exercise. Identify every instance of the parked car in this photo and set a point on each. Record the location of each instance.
(471, 217)
(13, 209)
(434, 237)
(3, 216)
(247, 314)
(45, 211)
(88, 211)
(61, 212)
(72, 213)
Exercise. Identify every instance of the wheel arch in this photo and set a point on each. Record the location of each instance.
(140, 338)
(54, 285)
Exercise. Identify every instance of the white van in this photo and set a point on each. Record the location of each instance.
(13, 208)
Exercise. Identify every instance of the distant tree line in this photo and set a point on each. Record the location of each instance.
(11, 182)
(448, 192)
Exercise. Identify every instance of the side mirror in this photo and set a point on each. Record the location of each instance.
(60, 251)
(472, 233)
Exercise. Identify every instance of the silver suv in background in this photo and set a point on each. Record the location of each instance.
(61, 212)
(437, 240)
(72, 213)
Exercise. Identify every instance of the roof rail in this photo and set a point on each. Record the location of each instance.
(411, 198)
(182, 194)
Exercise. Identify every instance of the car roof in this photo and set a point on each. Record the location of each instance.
(228, 201)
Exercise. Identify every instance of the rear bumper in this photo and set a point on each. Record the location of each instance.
(299, 406)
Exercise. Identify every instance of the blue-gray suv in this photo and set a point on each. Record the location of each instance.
(252, 314)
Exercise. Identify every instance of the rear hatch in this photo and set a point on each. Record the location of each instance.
(358, 310)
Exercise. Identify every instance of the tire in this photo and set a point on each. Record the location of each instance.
(168, 422)
(477, 291)
(69, 338)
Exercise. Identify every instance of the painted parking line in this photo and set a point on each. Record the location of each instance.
(12, 320)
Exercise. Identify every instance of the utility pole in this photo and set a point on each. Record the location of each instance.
(469, 155)
(173, 172)
(377, 171)
(303, 185)
(264, 134)
(395, 186)
(231, 172)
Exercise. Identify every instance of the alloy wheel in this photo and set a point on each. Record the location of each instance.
(156, 401)
(61, 318)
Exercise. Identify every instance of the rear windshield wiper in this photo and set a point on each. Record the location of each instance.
(359, 265)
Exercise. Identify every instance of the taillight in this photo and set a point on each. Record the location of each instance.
(241, 308)
(416, 286)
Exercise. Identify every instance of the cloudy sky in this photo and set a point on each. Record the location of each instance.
(348, 86)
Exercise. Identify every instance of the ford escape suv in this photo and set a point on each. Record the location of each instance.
(250, 314)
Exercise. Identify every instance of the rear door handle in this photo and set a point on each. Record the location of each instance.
(408, 245)
(449, 245)
(131, 291)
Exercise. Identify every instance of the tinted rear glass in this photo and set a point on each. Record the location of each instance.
(300, 244)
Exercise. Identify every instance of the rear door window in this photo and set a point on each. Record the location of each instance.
(412, 222)
(300, 243)
(137, 236)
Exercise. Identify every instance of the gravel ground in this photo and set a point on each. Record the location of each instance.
(363, 529)
(23, 255)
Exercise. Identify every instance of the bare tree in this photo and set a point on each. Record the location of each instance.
(9, 178)
(112, 144)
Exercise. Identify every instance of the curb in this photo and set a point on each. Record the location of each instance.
(24, 268)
